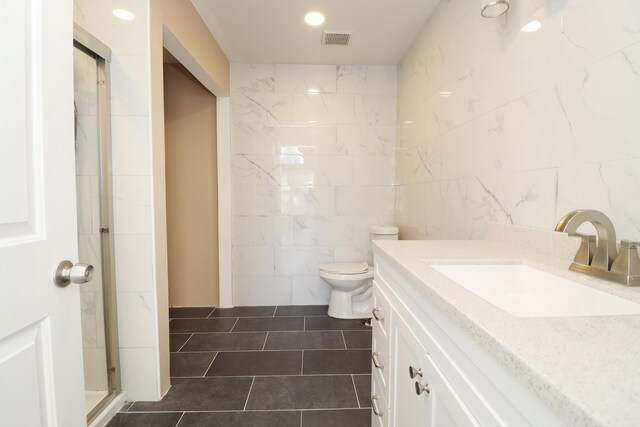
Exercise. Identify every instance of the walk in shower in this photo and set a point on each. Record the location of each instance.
(95, 243)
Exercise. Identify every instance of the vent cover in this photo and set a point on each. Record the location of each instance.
(336, 38)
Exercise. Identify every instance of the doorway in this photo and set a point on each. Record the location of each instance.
(192, 188)
(95, 242)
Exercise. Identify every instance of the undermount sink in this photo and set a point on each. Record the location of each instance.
(524, 291)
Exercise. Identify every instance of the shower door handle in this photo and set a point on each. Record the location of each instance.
(66, 273)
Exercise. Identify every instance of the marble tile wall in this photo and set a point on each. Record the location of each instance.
(310, 173)
(131, 160)
(498, 124)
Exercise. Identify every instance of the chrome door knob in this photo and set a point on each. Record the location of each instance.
(66, 273)
(415, 372)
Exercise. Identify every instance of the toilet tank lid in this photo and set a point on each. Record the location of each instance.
(345, 267)
(384, 229)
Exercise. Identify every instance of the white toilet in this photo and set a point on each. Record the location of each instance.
(351, 293)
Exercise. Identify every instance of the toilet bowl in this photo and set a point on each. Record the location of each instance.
(351, 283)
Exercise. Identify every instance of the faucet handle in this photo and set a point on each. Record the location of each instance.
(587, 249)
(628, 260)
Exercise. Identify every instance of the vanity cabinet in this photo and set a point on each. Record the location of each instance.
(427, 372)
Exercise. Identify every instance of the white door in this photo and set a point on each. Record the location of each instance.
(41, 380)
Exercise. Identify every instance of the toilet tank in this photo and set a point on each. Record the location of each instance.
(384, 232)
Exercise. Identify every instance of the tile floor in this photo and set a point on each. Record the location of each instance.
(261, 367)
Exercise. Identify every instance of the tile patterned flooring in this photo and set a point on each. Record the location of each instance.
(261, 367)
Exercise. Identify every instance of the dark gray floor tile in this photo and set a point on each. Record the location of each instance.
(357, 339)
(190, 364)
(226, 342)
(304, 340)
(191, 312)
(251, 363)
(201, 325)
(302, 392)
(262, 311)
(363, 389)
(145, 420)
(269, 324)
(177, 340)
(337, 418)
(200, 394)
(331, 324)
(241, 419)
(302, 310)
(125, 407)
(337, 362)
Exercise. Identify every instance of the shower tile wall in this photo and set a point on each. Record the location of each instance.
(498, 124)
(87, 182)
(131, 160)
(310, 173)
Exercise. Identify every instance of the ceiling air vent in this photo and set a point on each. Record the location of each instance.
(336, 38)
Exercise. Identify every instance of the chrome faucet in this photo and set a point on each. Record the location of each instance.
(599, 257)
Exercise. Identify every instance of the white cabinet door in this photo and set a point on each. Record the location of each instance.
(40, 341)
(427, 399)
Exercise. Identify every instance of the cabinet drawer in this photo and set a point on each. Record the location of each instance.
(379, 403)
(381, 309)
(380, 352)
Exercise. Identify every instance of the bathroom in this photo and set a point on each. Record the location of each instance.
(434, 119)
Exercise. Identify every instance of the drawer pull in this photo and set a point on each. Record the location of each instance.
(376, 314)
(415, 372)
(374, 406)
(422, 388)
(376, 362)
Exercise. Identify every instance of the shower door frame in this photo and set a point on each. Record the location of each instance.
(90, 45)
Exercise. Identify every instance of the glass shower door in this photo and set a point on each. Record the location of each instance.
(94, 242)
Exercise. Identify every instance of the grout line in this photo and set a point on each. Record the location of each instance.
(248, 394)
(355, 390)
(300, 418)
(234, 325)
(275, 309)
(234, 411)
(180, 419)
(209, 367)
(271, 330)
(212, 311)
(265, 340)
(344, 340)
(304, 323)
(275, 376)
(302, 367)
(254, 350)
(185, 343)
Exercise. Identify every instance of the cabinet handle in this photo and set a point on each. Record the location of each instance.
(376, 314)
(422, 388)
(375, 360)
(415, 372)
(374, 406)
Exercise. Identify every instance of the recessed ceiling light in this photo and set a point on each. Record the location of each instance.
(123, 14)
(444, 94)
(313, 91)
(531, 27)
(312, 121)
(408, 122)
(314, 18)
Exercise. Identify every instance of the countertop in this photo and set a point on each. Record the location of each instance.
(585, 369)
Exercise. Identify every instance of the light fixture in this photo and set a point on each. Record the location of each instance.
(444, 94)
(123, 14)
(313, 91)
(531, 27)
(408, 122)
(312, 121)
(314, 18)
(494, 8)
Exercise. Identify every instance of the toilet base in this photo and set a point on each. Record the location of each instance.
(343, 305)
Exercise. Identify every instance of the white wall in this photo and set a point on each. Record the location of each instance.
(536, 124)
(131, 148)
(310, 173)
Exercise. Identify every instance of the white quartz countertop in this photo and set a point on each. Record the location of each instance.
(585, 369)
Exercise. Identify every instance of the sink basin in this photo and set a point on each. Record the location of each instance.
(524, 291)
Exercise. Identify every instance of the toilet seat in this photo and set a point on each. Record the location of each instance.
(348, 277)
(345, 268)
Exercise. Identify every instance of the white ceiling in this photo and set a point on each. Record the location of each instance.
(274, 31)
